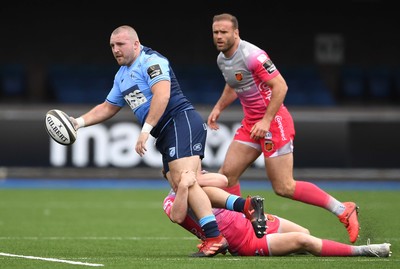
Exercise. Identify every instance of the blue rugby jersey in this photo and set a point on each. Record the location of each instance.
(132, 86)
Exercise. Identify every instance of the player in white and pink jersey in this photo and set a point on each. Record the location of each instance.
(283, 237)
(267, 126)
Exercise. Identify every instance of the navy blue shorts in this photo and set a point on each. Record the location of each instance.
(184, 136)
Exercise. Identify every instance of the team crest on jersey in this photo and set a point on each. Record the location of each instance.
(268, 145)
(238, 76)
(172, 152)
(269, 66)
(154, 71)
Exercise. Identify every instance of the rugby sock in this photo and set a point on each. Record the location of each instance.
(235, 203)
(209, 226)
(332, 248)
(234, 189)
(309, 193)
(335, 206)
(363, 250)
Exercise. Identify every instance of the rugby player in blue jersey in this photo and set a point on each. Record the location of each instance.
(146, 82)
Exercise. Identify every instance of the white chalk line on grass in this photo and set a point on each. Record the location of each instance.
(92, 238)
(50, 259)
(134, 238)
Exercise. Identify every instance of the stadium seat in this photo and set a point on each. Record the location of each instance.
(77, 83)
(379, 83)
(396, 83)
(13, 80)
(306, 87)
(202, 84)
(353, 83)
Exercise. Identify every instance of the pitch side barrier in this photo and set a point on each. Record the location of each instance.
(365, 137)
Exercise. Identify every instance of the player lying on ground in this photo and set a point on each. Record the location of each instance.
(283, 237)
(251, 208)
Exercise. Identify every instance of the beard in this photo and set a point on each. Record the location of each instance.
(225, 47)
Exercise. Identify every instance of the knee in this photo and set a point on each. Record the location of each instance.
(304, 241)
(231, 178)
(285, 189)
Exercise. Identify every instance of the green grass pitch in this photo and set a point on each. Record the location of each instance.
(121, 229)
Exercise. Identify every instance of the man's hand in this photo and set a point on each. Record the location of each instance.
(188, 179)
(212, 119)
(259, 130)
(74, 123)
(141, 143)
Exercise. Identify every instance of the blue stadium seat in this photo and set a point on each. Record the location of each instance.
(79, 84)
(202, 84)
(396, 82)
(306, 87)
(13, 80)
(379, 83)
(353, 83)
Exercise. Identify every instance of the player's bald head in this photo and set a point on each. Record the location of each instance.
(128, 30)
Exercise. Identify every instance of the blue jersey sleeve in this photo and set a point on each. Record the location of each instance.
(115, 96)
(157, 69)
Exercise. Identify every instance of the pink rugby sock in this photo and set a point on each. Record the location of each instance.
(234, 189)
(309, 193)
(332, 248)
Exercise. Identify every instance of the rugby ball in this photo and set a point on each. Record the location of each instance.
(59, 127)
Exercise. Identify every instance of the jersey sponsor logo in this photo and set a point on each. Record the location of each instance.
(238, 76)
(154, 71)
(264, 87)
(269, 66)
(134, 97)
(278, 119)
(197, 233)
(197, 147)
(167, 204)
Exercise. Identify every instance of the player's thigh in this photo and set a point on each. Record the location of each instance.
(280, 170)
(191, 163)
(281, 244)
(238, 157)
(286, 226)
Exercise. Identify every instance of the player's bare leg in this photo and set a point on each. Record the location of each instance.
(294, 242)
(199, 202)
(280, 173)
(238, 158)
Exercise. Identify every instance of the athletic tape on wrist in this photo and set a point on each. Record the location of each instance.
(146, 128)
(81, 122)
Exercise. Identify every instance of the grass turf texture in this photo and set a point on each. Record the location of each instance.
(123, 229)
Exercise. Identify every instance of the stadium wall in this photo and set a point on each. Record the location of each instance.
(325, 138)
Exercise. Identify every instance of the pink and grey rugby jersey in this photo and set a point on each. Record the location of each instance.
(246, 72)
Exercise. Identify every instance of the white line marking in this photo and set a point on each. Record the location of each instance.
(50, 259)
